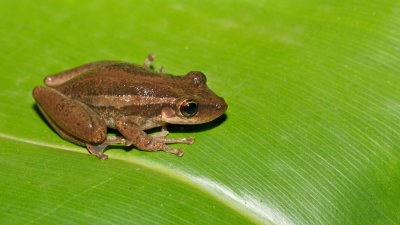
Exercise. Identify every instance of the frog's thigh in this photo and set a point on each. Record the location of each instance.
(59, 78)
(73, 120)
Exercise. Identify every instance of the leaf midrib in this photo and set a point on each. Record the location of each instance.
(224, 199)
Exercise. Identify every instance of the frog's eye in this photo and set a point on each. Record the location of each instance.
(188, 108)
(197, 77)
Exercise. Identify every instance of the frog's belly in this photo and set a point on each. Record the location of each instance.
(110, 115)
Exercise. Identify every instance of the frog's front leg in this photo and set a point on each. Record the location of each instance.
(136, 136)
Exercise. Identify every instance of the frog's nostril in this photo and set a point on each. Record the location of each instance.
(220, 106)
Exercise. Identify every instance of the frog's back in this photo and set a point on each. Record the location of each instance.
(120, 79)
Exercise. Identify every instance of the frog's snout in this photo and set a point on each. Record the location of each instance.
(221, 105)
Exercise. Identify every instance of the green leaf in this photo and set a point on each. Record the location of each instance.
(311, 135)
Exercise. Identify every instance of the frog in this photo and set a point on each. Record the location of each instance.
(82, 103)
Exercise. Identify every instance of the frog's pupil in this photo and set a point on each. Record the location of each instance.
(190, 108)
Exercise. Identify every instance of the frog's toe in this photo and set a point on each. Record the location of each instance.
(148, 60)
(180, 152)
(161, 70)
(189, 140)
(103, 157)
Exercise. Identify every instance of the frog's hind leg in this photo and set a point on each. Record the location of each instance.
(72, 120)
(60, 78)
(98, 150)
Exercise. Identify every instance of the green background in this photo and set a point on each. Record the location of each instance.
(311, 135)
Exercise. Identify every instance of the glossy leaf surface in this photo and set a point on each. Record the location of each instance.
(311, 135)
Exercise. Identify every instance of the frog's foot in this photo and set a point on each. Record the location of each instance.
(98, 150)
(158, 142)
(148, 60)
(161, 141)
(161, 70)
(179, 152)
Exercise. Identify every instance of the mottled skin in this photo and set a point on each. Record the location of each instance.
(81, 103)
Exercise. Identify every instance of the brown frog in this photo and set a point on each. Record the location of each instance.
(82, 102)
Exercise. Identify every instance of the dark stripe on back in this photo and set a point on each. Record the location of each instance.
(147, 111)
(121, 79)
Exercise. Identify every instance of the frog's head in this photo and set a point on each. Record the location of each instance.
(196, 104)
